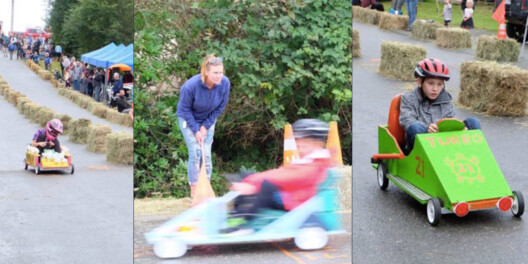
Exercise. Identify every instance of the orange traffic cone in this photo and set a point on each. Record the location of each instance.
(203, 189)
(501, 34)
(290, 148)
(333, 144)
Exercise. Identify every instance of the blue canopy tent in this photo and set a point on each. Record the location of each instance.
(90, 56)
(100, 58)
(125, 56)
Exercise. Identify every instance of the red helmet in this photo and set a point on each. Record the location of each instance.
(431, 68)
(53, 129)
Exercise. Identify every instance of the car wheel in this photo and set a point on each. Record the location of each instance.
(170, 248)
(72, 169)
(383, 182)
(518, 204)
(433, 211)
(25, 165)
(37, 170)
(311, 238)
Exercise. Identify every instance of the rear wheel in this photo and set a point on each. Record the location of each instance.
(72, 169)
(37, 169)
(383, 182)
(518, 204)
(433, 211)
(170, 249)
(25, 165)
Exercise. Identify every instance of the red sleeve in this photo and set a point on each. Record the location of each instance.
(293, 176)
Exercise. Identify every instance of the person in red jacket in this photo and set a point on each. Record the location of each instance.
(289, 186)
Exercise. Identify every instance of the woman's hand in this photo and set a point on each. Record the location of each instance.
(199, 137)
(432, 128)
(203, 130)
(243, 188)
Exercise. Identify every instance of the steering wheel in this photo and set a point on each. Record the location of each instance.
(450, 124)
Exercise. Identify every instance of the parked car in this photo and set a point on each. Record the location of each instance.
(37, 33)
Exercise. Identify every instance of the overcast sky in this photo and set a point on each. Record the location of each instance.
(28, 13)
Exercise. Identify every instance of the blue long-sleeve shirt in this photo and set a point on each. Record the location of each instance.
(118, 85)
(201, 106)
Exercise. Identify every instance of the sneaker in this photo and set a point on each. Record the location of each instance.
(237, 231)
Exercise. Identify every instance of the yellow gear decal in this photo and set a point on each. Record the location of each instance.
(465, 168)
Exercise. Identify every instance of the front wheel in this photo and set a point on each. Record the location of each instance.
(383, 182)
(433, 211)
(72, 169)
(311, 238)
(518, 204)
(37, 169)
(25, 165)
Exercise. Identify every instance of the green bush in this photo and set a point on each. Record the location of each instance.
(285, 62)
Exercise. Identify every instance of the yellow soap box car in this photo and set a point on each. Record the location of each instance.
(48, 161)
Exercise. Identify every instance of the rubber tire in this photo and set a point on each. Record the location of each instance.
(169, 248)
(72, 169)
(434, 211)
(383, 182)
(37, 170)
(25, 165)
(311, 238)
(515, 31)
(518, 203)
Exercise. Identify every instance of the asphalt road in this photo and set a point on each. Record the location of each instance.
(391, 227)
(337, 251)
(57, 217)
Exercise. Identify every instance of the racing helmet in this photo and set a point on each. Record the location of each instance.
(53, 129)
(431, 68)
(310, 128)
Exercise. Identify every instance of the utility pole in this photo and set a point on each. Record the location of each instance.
(12, 13)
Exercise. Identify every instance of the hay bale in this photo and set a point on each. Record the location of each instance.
(368, 16)
(424, 30)
(61, 85)
(85, 101)
(119, 118)
(492, 48)
(53, 82)
(34, 112)
(398, 59)
(98, 109)
(44, 74)
(45, 115)
(356, 49)
(493, 88)
(27, 109)
(13, 97)
(4, 89)
(97, 138)
(65, 119)
(453, 38)
(393, 22)
(79, 129)
(21, 102)
(120, 148)
(356, 10)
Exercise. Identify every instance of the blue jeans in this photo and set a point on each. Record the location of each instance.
(96, 93)
(195, 152)
(76, 85)
(417, 128)
(411, 10)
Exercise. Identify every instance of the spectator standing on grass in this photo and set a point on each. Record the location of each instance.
(118, 84)
(467, 20)
(411, 5)
(447, 13)
(397, 6)
(76, 76)
(97, 83)
(89, 82)
(58, 53)
(35, 57)
(47, 61)
(65, 63)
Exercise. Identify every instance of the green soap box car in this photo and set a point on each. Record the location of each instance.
(451, 171)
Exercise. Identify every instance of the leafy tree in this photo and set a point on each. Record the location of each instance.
(90, 24)
(286, 60)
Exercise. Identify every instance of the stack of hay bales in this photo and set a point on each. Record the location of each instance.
(13, 97)
(493, 88)
(61, 85)
(356, 10)
(34, 112)
(98, 109)
(120, 148)
(53, 82)
(28, 108)
(398, 59)
(79, 130)
(356, 50)
(492, 48)
(97, 138)
(393, 22)
(453, 38)
(424, 30)
(65, 119)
